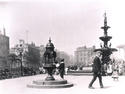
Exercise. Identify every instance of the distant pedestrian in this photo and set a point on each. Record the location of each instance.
(57, 70)
(115, 74)
(96, 71)
(109, 69)
(62, 69)
(42, 70)
(66, 70)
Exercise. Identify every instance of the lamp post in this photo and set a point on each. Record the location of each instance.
(20, 51)
(21, 67)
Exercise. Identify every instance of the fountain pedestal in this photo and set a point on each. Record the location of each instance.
(49, 68)
(50, 81)
(50, 84)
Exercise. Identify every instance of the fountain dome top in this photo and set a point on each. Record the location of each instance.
(50, 44)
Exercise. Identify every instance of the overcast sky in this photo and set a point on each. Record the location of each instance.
(69, 23)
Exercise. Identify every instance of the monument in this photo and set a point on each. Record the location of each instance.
(105, 49)
(49, 66)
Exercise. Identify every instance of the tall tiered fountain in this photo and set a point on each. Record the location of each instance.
(49, 66)
(105, 49)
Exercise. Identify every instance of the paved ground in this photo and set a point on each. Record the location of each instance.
(19, 86)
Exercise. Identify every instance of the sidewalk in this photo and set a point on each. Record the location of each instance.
(19, 86)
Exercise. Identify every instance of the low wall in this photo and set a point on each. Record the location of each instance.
(84, 71)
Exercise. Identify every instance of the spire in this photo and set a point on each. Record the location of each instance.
(27, 32)
(4, 31)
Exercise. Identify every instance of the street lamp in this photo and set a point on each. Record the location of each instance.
(20, 51)
(21, 61)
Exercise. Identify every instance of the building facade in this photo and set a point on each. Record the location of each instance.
(26, 50)
(4, 50)
(84, 55)
(21, 46)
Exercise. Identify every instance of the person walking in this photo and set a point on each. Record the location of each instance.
(96, 71)
(62, 69)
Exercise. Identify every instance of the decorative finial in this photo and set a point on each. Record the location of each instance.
(49, 39)
(105, 14)
(105, 27)
(105, 19)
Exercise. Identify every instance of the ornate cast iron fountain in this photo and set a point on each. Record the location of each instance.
(105, 49)
(50, 56)
(49, 66)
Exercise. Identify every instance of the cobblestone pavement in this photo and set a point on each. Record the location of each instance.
(19, 86)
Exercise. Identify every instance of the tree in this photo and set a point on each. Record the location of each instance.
(14, 61)
(12, 57)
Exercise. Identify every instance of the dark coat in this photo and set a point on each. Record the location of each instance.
(61, 68)
(96, 65)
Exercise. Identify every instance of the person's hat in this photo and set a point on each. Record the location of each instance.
(62, 59)
(99, 52)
